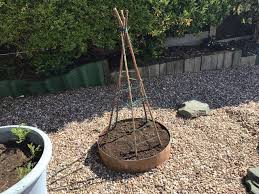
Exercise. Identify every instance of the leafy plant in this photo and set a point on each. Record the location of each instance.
(33, 149)
(189, 16)
(54, 33)
(24, 170)
(20, 133)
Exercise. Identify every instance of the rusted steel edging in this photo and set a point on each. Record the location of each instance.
(134, 166)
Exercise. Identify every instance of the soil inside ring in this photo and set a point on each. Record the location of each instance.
(119, 141)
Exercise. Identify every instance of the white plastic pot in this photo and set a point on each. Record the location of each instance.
(34, 182)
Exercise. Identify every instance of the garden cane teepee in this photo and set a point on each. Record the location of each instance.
(133, 144)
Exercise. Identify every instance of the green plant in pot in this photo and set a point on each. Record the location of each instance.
(35, 151)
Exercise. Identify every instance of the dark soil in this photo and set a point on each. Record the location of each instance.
(119, 141)
(12, 156)
(185, 52)
(208, 47)
(248, 47)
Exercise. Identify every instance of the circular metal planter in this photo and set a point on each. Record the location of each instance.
(134, 166)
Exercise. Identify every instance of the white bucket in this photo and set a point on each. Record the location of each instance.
(34, 182)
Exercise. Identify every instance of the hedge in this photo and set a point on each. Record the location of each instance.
(54, 33)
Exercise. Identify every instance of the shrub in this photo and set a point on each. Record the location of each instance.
(56, 32)
(249, 11)
(190, 16)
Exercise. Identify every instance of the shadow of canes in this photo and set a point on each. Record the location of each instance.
(94, 162)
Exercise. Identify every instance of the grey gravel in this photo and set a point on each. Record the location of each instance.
(209, 154)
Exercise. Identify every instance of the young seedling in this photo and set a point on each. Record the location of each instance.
(33, 149)
(24, 170)
(20, 133)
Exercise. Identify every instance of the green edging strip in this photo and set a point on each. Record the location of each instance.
(5, 89)
(92, 74)
(55, 84)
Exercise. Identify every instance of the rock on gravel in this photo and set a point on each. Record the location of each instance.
(252, 180)
(209, 154)
(193, 109)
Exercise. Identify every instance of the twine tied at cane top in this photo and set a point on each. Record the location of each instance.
(123, 29)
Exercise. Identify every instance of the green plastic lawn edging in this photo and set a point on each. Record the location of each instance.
(92, 74)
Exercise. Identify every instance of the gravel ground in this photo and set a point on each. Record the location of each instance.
(209, 154)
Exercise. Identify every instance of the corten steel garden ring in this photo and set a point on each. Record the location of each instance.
(135, 166)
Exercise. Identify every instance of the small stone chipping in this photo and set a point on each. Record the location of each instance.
(210, 154)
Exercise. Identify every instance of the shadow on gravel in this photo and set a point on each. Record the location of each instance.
(53, 111)
(94, 162)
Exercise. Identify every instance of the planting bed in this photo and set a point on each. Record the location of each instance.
(206, 57)
(209, 154)
(16, 161)
(119, 141)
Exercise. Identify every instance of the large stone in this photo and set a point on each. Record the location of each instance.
(252, 187)
(193, 108)
(252, 180)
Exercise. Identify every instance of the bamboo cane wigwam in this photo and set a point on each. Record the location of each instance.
(136, 162)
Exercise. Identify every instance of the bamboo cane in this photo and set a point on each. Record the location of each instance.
(123, 20)
(115, 100)
(126, 42)
(142, 89)
(141, 81)
(144, 108)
